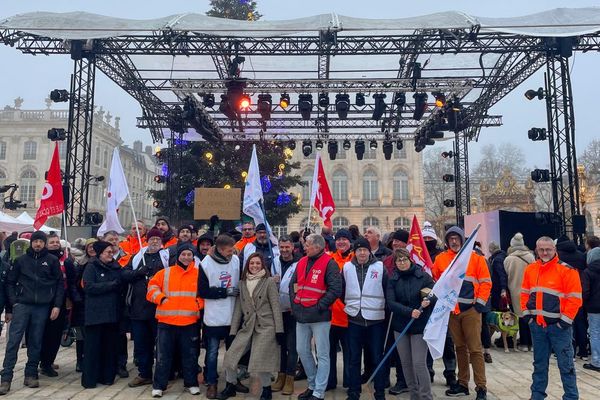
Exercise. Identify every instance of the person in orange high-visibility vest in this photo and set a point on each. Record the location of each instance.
(550, 299)
(465, 321)
(131, 245)
(339, 319)
(175, 292)
(248, 236)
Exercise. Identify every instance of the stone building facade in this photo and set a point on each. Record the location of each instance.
(371, 191)
(26, 152)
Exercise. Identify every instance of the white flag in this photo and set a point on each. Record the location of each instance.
(117, 192)
(446, 291)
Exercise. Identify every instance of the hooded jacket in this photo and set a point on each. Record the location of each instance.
(591, 287)
(36, 278)
(138, 307)
(102, 286)
(519, 257)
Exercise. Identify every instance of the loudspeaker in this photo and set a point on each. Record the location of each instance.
(579, 224)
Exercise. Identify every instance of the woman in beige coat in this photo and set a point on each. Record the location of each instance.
(261, 331)
(518, 258)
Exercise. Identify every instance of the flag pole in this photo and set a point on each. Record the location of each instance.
(136, 226)
(312, 189)
(268, 227)
(64, 224)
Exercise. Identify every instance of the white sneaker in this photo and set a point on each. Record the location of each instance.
(156, 393)
(194, 390)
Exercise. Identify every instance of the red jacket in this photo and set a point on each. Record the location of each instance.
(312, 287)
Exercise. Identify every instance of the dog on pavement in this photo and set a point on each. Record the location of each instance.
(505, 322)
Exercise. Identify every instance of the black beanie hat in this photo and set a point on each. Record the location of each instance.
(100, 246)
(343, 233)
(185, 246)
(260, 227)
(38, 235)
(401, 235)
(362, 242)
(163, 219)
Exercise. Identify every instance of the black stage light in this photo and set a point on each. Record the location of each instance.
(57, 134)
(448, 178)
(305, 104)
(379, 107)
(359, 149)
(449, 203)
(537, 134)
(388, 149)
(306, 148)
(440, 99)
(226, 109)
(400, 100)
(319, 144)
(360, 99)
(284, 100)
(265, 101)
(342, 105)
(399, 144)
(323, 100)
(346, 145)
(373, 144)
(332, 149)
(420, 105)
(59, 95)
(540, 175)
(292, 145)
(532, 94)
(448, 154)
(208, 100)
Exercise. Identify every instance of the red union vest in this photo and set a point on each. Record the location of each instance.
(311, 287)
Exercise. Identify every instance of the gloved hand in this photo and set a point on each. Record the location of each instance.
(233, 292)
(214, 220)
(280, 337)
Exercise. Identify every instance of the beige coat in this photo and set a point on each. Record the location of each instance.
(261, 317)
(519, 257)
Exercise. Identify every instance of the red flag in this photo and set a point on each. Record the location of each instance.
(417, 249)
(321, 198)
(52, 196)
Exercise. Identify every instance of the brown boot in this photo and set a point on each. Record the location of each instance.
(31, 381)
(279, 382)
(288, 386)
(4, 388)
(139, 381)
(211, 392)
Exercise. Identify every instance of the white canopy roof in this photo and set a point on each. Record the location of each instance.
(83, 25)
(27, 219)
(10, 224)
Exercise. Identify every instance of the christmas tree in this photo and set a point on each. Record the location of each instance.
(188, 165)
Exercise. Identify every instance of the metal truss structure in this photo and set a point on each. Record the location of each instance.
(503, 62)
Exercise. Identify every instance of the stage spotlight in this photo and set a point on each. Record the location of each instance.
(245, 102)
(160, 179)
(305, 104)
(399, 144)
(208, 100)
(226, 109)
(59, 95)
(400, 100)
(449, 203)
(342, 105)
(359, 149)
(448, 178)
(540, 175)
(292, 145)
(532, 94)
(264, 104)
(388, 149)
(306, 148)
(373, 144)
(440, 99)
(448, 154)
(323, 100)
(319, 144)
(332, 149)
(360, 99)
(57, 134)
(346, 145)
(537, 134)
(420, 105)
(379, 107)
(284, 100)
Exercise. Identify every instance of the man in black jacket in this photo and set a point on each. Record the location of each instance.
(141, 312)
(313, 288)
(35, 289)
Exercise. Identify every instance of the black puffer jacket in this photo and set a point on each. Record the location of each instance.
(568, 253)
(102, 287)
(499, 278)
(591, 287)
(321, 311)
(36, 278)
(139, 308)
(403, 295)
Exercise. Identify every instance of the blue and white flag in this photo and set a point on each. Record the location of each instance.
(446, 291)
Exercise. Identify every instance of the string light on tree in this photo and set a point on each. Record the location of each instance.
(227, 186)
(189, 198)
(283, 199)
(265, 182)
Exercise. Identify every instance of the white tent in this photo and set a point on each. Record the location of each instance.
(26, 218)
(10, 224)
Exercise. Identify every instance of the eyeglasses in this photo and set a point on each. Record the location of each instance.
(402, 260)
(247, 229)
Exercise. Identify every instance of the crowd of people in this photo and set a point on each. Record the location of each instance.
(311, 296)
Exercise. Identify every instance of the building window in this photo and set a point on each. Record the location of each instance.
(97, 156)
(307, 178)
(339, 223)
(27, 187)
(340, 186)
(30, 150)
(399, 154)
(369, 221)
(105, 159)
(402, 223)
(2, 150)
(279, 230)
(2, 178)
(370, 154)
(370, 187)
(62, 150)
(400, 186)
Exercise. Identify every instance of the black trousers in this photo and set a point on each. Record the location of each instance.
(524, 333)
(184, 338)
(486, 340)
(580, 329)
(289, 355)
(51, 340)
(338, 334)
(100, 360)
(449, 358)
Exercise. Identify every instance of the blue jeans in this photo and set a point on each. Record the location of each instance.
(370, 338)
(594, 328)
(317, 375)
(545, 340)
(31, 318)
(144, 339)
(167, 339)
(212, 338)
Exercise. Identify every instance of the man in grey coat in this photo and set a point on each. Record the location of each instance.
(314, 287)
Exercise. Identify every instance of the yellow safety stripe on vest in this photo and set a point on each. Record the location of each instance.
(311, 289)
(173, 313)
(555, 292)
(542, 313)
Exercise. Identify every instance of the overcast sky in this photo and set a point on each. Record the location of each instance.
(33, 77)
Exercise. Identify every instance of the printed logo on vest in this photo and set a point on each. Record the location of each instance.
(225, 279)
(315, 275)
(374, 274)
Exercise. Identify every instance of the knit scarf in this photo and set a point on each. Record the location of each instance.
(253, 279)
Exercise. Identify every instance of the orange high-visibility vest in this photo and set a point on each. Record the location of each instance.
(338, 315)
(243, 242)
(131, 244)
(180, 287)
(551, 292)
(311, 287)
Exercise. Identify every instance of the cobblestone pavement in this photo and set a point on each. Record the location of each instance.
(509, 377)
